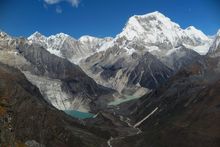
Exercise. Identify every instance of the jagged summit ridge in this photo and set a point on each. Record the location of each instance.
(150, 30)
(192, 31)
(139, 24)
(215, 47)
(218, 33)
(65, 46)
(155, 29)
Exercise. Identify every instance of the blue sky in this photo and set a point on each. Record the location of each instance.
(100, 17)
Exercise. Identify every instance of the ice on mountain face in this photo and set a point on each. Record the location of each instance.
(202, 49)
(36, 35)
(105, 46)
(155, 29)
(153, 33)
(215, 47)
(218, 33)
(52, 91)
(93, 43)
(7, 42)
(172, 51)
(200, 42)
(132, 30)
(53, 40)
(154, 48)
(60, 35)
(55, 52)
(65, 46)
(129, 51)
(3, 35)
(61, 44)
(86, 39)
(151, 28)
(38, 38)
(56, 41)
(196, 34)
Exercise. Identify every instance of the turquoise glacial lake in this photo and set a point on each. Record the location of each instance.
(78, 114)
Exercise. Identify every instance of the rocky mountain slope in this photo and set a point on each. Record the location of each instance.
(214, 49)
(28, 120)
(61, 82)
(152, 56)
(153, 34)
(127, 73)
(68, 47)
(187, 106)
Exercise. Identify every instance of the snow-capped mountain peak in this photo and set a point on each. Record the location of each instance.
(94, 42)
(218, 33)
(215, 47)
(38, 38)
(155, 18)
(3, 34)
(155, 29)
(36, 35)
(65, 46)
(87, 38)
(61, 36)
(151, 29)
(193, 32)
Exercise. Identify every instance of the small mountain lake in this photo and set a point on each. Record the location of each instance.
(123, 99)
(78, 114)
(84, 115)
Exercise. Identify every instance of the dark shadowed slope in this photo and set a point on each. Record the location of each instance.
(184, 112)
(26, 116)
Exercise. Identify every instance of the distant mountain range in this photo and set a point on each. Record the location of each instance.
(163, 80)
(117, 62)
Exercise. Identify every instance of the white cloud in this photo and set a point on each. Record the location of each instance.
(45, 6)
(52, 1)
(74, 3)
(59, 9)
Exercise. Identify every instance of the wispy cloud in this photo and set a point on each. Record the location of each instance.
(74, 3)
(59, 9)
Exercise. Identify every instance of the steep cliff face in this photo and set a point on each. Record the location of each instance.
(215, 47)
(126, 73)
(31, 119)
